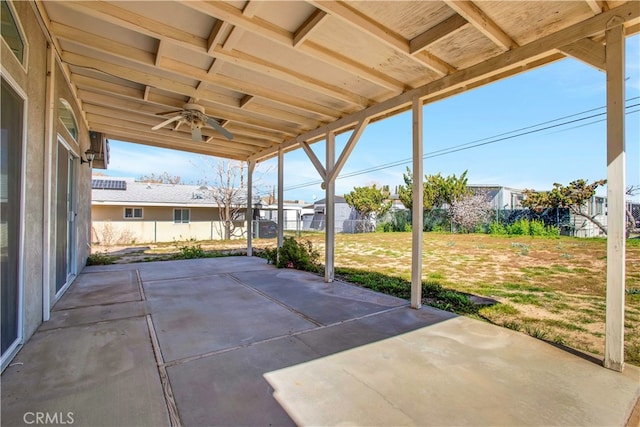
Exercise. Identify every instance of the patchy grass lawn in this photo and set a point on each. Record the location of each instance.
(549, 288)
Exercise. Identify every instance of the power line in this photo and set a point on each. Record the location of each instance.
(484, 141)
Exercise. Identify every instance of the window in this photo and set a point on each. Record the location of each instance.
(181, 216)
(11, 32)
(599, 205)
(132, 213)
(67, 118)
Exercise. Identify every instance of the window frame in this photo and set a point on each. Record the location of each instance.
(25, 43)
(64, 105)
(133, 213)
(182, 220)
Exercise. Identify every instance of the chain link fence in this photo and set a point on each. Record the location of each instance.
(438, 220)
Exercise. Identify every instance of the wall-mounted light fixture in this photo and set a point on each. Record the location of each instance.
(89, 155)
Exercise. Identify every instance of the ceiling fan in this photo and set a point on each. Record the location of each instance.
(194, 116)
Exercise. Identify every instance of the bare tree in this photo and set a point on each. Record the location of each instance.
(162, 178)
(230, 194)
(228, 190)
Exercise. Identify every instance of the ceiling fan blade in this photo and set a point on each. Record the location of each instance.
(164, 113)
(214, 124)
(179, 123)
(166, 122)
(196, 134)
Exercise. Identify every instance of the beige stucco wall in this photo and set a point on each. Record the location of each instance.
(156, 225)
(151, 213)
(33, 81)
(126, 232)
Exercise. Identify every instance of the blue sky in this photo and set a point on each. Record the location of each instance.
(575, 147)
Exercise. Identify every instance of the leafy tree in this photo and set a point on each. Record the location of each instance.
(370, 201)
(405, 192)
(163, 178)
(438, 190)
(470, 211)
(573, 197)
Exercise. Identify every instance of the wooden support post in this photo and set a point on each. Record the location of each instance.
(417, 209)
(251, 164)
(614, 327)
(280, 198)
(329, 210)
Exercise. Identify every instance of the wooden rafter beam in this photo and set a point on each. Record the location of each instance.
(538, 52)
(363, 23)
(243, 116)
(246, 100)
(283, 73)
(482, 22)
(247, 87)
(147, 59)
(587, 51)
(159, 52)
(305, 30)
(217, 32)
(598, 6)
(230, 14)
(246, 61)
(435, 33)
(102, 44)
(113, 14)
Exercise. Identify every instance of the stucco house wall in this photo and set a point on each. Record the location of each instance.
(39, 81)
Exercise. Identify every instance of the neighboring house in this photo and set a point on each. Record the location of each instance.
(346, 217)
(502, 198)
(580, 226)
(293, 214)
(126, 211)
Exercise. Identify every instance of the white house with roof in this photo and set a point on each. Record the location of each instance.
(126, 211)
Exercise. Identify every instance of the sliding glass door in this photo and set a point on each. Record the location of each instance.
(10, 216)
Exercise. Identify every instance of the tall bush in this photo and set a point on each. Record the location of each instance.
(294, 254)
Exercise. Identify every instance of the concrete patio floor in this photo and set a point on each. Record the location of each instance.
(234, 341)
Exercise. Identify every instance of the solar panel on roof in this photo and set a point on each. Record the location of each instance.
(108, 184)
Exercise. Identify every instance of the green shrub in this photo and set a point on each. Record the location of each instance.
(497, 228)
(552, 230)
(190, 252)
(100, 259)
(271, 254)
(384, 227)
(398, 222)
(294, 254)
(437, 229)
(537, 228)
(519, 228)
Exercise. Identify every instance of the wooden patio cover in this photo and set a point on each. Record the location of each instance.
(279, 72)
(280, 75)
